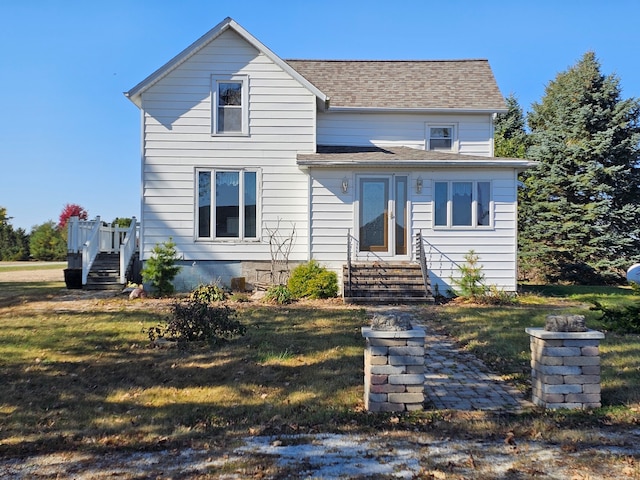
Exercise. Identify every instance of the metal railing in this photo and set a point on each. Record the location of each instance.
(422, 259)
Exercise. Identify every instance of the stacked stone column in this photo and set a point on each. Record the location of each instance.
(565, 368)
(393, 370)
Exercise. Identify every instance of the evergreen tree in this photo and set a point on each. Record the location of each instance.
(579, 212)
(14, 244)
(46, 243)
(510, 136)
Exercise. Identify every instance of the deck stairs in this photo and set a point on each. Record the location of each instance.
(385, 283)
(104, 273)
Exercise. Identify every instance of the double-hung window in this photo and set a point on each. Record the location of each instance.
(441, 138)
(227, 204)
(462, 204)
(230, 105)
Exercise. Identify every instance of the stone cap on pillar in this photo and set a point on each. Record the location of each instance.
(368, 332)
(543, 334)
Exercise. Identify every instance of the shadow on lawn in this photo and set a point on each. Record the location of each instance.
(110, 390)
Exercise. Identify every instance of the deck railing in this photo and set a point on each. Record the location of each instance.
(90, 249)
(127, 248)
(90, 237)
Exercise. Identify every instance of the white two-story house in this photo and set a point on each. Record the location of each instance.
(352, 162)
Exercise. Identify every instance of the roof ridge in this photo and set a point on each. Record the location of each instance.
(385, 61)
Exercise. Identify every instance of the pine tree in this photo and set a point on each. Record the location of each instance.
(510, 136)
(579, 214)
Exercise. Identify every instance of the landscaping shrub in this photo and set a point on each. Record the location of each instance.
(208, 293)
(279, 294)
(195, 320)
(160, 269)
(470, 283)
(620, 320)
(311, 280)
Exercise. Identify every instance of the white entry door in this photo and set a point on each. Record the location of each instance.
(382, 215)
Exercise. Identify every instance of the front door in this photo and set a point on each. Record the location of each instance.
(382, 214)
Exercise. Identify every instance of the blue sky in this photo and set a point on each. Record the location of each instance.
(68, 134)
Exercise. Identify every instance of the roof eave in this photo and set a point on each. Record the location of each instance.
(135, 94)
(416, 110)
(518, 164)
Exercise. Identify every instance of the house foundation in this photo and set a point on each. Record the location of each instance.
(565, 368)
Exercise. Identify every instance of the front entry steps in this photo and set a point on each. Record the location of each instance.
(386, 283)
(104, 273)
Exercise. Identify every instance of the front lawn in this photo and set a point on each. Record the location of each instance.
(79, 373)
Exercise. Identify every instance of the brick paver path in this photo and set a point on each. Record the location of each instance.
(458, 380)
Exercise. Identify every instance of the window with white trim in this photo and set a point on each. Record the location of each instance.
(230, 105)
(227, 204)
(441, 137)
(462, 204)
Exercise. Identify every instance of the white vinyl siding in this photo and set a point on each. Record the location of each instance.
(177, 141)
(333, 217)
(472, 132)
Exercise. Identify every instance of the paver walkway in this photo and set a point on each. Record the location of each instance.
(458, 380)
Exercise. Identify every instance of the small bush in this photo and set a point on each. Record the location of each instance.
(620, 320)
(194, 320)
(311, 280)
(279, 294)
(208, 293)
(470, 284)
(161, 268)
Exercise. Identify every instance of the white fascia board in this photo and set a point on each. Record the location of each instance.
(520, 165)
(135, 94)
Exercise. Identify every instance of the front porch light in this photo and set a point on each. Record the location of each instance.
(345, 185)
(419, 184)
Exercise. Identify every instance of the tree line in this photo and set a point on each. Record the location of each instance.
(579, 208)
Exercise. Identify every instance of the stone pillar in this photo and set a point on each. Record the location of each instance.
(565, 368)
(393, 369)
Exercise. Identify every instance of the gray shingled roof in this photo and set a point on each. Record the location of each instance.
(372, 156)
(430, 84)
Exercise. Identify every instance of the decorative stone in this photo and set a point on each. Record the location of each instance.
(394, 366)
(565, 323)
(565, 368)
(391, 320)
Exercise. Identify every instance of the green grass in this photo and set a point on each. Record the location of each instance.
(81, 374)
(25, 266)
(497, 334)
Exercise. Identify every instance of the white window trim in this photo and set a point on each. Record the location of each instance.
(474, 206)
(212, 219)
(215, 80)
(455, 146)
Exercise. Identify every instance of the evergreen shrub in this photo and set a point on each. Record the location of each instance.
(311, 280)
(161, 268)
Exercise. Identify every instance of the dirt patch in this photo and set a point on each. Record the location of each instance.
(33, 275)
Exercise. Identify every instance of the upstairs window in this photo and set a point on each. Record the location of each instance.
(227, 204)
(230, 105)
(462, 204)
(441, 137)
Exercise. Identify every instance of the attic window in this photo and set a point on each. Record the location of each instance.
(230, 105)
(440, 137)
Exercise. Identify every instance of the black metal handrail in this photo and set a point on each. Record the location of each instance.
(422, 259)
